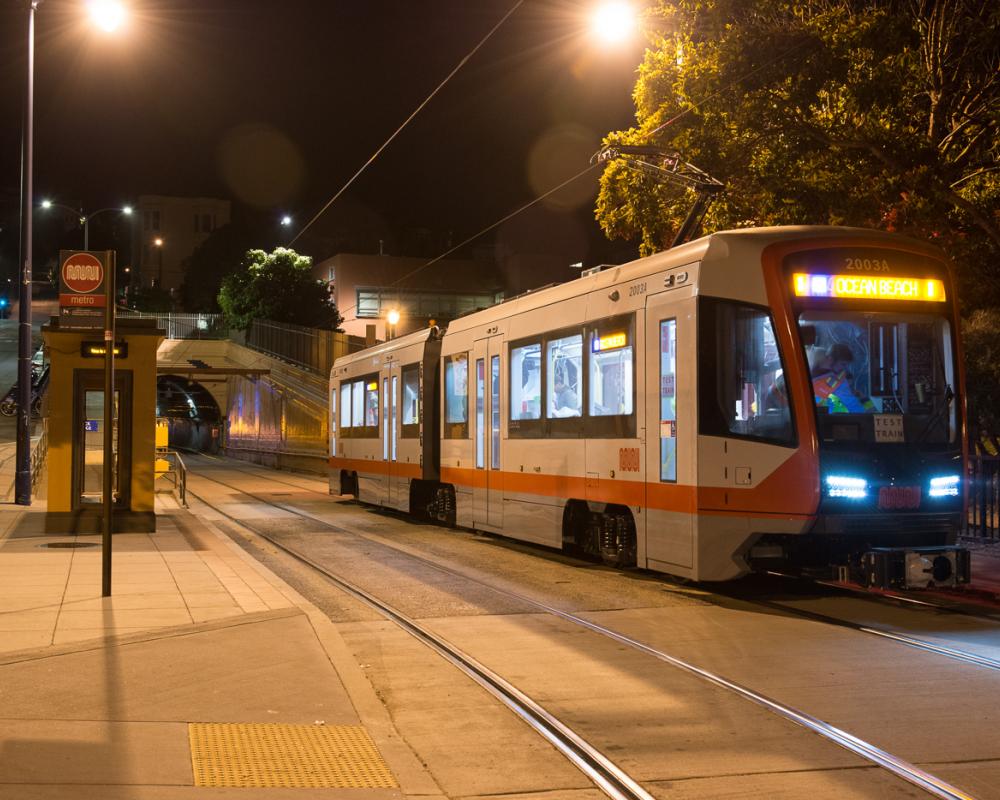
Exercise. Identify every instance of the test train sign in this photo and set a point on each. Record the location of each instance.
(82, 287)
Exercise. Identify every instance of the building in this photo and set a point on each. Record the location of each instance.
(168, 229)
(366, 287)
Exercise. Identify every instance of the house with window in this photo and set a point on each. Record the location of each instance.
(167, 231)
(366, 288)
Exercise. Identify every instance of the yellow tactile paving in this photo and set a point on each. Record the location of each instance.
(292, 756)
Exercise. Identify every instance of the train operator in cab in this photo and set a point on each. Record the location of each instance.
(832, 382)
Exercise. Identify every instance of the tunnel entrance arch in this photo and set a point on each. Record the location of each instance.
(192, 413)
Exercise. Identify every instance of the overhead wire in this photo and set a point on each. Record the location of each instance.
(406, 122)
(485, 230)
(551, 191)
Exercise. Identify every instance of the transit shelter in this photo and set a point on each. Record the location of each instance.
(76, 426)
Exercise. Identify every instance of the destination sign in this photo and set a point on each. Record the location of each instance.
(882, 287)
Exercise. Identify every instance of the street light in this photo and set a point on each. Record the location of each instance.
(107, 15)
(158, 244)
(286, 220)
(392, 317)
(614, 22)
(22, 458)
(86, 218)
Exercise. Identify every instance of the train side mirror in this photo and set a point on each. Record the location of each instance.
(808, 334)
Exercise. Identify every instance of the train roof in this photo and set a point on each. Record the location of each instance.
(391, 346)
(715, 248)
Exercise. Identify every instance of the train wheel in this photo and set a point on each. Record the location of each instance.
(617, 538)
(608, 535)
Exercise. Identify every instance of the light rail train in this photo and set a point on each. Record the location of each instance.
(776, 398)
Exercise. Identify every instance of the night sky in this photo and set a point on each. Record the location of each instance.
(274, 105)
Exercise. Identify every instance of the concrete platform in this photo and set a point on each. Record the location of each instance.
(102, 697)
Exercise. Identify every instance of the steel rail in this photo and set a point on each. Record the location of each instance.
(893, 764)
(601, 770)
(896, 636)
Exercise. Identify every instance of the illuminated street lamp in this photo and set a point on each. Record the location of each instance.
(86, 218)
(286, 220)
(614, 22)
(109, 15)
(392, 318)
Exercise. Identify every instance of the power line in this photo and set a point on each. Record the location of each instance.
(406, 122)
(487, 229)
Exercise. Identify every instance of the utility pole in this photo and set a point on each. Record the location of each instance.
(22, 457)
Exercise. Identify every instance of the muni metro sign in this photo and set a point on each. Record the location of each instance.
(83, 287)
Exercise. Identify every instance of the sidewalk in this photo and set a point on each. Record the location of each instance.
(203, 669)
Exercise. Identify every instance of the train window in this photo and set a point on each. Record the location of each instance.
(345, 407)
(385, 419)
(668, 400)
(495, 412)
(610, 378)
(480, 413)
(526, 382)
(741, 379)
(525, 390)
(456, 396)
(394, 414)
(564, 376)
(411, 401)
(611, 361)
(371, 403)
(868, 363)
(358, 404)
(333, 422)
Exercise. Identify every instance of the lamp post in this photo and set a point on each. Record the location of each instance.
(22, 457)
(86, 218)
(158, 244)
(108, 14)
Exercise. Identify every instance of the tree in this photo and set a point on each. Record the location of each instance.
(277, 286)
(981, 334)
(877, 113)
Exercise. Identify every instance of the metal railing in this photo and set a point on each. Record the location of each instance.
(184, 326)
(38, 453)
(983, 521)
(311, 349)
(176, 471)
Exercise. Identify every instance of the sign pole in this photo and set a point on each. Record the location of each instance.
(22, 453)
(110, 461)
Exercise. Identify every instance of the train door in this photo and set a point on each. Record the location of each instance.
(396, 489)
(670, 435)
(487, 492)
(386, 472)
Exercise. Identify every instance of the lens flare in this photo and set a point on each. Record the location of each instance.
(614, 22)
(108, 15)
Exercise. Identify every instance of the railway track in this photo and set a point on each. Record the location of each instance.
(596, 765)
(876, 597)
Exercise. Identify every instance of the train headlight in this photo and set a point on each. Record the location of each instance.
(845, 486)
(945, 486)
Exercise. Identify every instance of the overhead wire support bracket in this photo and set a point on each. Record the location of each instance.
(668, 167)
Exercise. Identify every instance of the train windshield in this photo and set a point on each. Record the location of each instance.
(881, 377)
